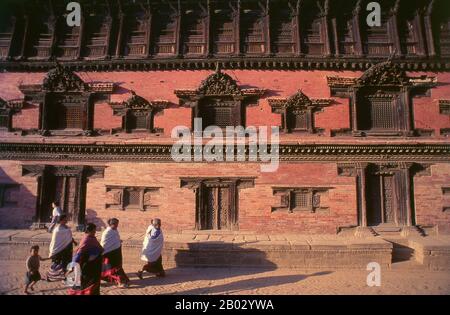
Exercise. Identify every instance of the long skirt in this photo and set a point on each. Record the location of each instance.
(112, 270)
(155, 267)
(90, 278)
(59, 264)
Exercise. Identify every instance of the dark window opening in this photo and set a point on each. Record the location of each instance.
(224, 36)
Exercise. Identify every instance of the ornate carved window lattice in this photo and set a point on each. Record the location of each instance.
(253, 28)
(293, 199)
(66, 101)
(9, 195)
(7, 110)
(138, 113)
(297, 112)
(224, 31)
(164, 31)
(136, 31)
(284, 27)
(194, 27)
(218, 101)
(380, 99)
(97, 26)
(132, 198)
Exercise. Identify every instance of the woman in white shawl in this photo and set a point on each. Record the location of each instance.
(112, 270)
(151, 250)
(60, 250)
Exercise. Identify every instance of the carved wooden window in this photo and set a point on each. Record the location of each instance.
(65, 114)
(194, 33)
(4, 121)
(7, 26)
(131, 198)
(379, 113)
(298, 120)
(164, 33)
(253, 31)
(283, 30)
(217, 116)
(9, 195)
(378, 40)
(136, 33)
(444, 107)
(294, 199)
(345, 28)
(138, 121)
(96, 36)
(313, 34)
(443, 32)
(224, 31)
(67, 40)
(410, 24)
(40, 38)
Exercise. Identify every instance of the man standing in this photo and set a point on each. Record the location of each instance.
(56, 213)
(151, 250)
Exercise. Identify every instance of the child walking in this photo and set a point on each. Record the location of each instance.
(33, 263)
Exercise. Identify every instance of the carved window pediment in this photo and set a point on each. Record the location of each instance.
(62, 80)
(298, 199)
(380, 99)
(219, 100)
(137, 112)
(298, 111)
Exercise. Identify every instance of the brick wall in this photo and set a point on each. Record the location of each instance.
(157, 85)
(177, 205)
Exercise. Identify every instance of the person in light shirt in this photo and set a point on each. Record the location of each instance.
(56, 213)
(151, 250)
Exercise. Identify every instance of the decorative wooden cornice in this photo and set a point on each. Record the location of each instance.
(287, 153)
(63, 170)
(252, 63)
(137, 103)
(63, 80)
(196, 182)
(218, 84)
(384, 74)
(12, 105)
(297, 101)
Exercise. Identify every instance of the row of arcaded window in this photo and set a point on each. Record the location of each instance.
(137, 29)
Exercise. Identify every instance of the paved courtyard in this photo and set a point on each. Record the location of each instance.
(402, 279)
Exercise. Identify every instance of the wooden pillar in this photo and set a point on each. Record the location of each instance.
(406, 174)
(237, 21)
(429, 35)
(359, 51)
(178, 30)
(267, 28)
(120, 34)
(361, 170)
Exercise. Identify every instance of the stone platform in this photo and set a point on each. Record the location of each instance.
(210, 249)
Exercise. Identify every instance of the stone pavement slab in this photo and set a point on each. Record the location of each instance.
(5, 235)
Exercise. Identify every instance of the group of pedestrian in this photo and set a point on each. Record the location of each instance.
(96, 260)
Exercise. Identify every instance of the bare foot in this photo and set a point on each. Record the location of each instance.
(26, 292)
(139, 274)
(31, 288)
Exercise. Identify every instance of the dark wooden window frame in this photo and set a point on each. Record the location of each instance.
(3, 188)
(216, 89)
(384, 80)
(298, 103)
(138, 106)
(7, 110)
(62, 85)
(145, 202)
(287, 199)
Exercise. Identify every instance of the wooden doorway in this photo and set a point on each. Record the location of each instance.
(64, 189)
(382, 207)
(216, 210)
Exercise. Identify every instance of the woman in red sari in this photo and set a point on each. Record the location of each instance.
(89, 257)
(112, 270)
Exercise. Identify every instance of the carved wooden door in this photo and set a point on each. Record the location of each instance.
(215, 213)
(65, 190)
(381, 199)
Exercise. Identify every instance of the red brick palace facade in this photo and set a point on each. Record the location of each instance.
(87, 112)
